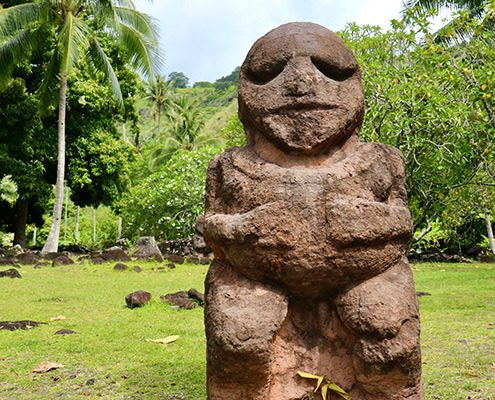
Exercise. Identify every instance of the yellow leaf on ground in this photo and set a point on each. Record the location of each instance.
(168, 339)
(46, 366)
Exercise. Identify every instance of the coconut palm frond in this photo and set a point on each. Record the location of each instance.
(101, 63)
(16, 18)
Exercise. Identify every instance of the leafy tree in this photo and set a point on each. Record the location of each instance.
(70, 28)
(430, 101)
(232, 78)
(26, 155)
(178, 80)
(234, 132)
(182, 131)
(167, 203)
(202, 84)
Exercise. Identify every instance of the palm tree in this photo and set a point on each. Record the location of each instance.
(158, 92)
(452, 4)
(69, 29)
(475, 9)
(182, 131)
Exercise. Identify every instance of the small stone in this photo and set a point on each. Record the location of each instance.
(99, 260)
(137, 269)
(16, 250)
(137, 299)
(194, 294)
(115, 254)
(90, 382)
(27, 259)
(62, 260)
(10, 273)
(193, 260)
(120, 267)
(175, 258)
(147, 249)
(184, 303)
(64, 332)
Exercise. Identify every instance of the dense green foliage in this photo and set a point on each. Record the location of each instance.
(167, 203)
(434, 102)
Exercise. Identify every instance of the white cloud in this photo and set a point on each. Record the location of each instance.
(207, 39)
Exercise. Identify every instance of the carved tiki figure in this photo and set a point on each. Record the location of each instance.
(309, 228)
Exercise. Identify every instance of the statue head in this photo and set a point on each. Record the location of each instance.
(300, 87)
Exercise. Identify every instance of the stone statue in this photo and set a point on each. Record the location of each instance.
(309, 227)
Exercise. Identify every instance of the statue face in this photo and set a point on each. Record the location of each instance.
(300, 86)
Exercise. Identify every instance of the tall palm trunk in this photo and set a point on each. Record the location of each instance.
(159, 119)
(51, 244)
(489, 230)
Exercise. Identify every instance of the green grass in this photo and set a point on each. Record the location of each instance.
(458, 333)
(458, 330)
(111, 346)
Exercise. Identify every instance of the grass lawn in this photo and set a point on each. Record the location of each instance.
(111, 358)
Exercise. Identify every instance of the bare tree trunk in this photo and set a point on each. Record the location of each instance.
(119, 229)
(489, 230)
(76, 238)
(159, 120)
(65, 216)
(94, 225)
(34, 236)
(20, 222)
(51, 244)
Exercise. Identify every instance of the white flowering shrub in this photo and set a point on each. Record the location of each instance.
(166, 204)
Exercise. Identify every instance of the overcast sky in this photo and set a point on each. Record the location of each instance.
(207, 39)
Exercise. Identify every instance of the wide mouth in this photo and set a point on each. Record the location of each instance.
(304, 107)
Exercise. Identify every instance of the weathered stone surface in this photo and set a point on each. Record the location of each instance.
(64, 332)
(98, 260)
(137, 299)
(10, 273)
(175, 258)
(137, 269)
(27, 258)
(8, 260)
(15, 250)
(198, 239)
(52, 256)
(196, 295)
(62, 260)
(309, 228)
(184, 299)
(193, 260)
(146, 248)
(116, 254)
(120, 267)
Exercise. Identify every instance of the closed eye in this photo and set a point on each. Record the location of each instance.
(331, 71)
(266, 73)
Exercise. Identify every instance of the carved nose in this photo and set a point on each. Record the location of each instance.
(300, 82)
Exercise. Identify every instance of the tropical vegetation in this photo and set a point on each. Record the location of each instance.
(146, 161)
